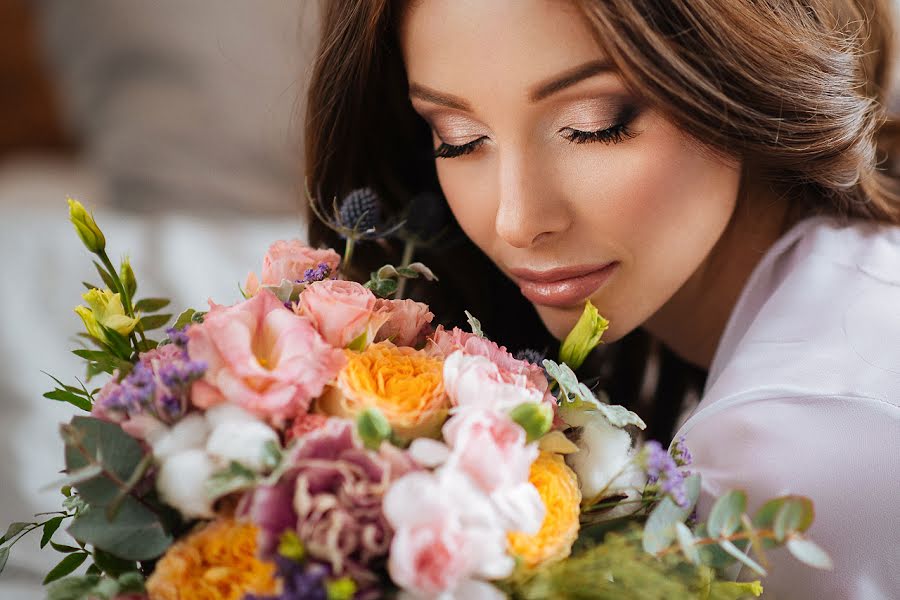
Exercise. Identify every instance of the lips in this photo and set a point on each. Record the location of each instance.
(562, 287)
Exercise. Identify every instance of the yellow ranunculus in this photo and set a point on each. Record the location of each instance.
(105, 309)
(558, 487)
(404, 384)
(218, 561)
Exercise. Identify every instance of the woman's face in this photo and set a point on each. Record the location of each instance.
(562, 177)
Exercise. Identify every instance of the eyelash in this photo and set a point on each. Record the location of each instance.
(611, 135)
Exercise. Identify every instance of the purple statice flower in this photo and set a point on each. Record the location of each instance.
(299, 581)
(331, 496)
(680, 453)
(179, 337)
(157, 386)
(662, 469)
(320, 273)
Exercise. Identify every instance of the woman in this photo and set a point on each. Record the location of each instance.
(707, 173)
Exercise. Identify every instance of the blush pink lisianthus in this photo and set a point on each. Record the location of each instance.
(407, 321)
(262, 357)
(289, 259)
(444, 342)
(340, 310)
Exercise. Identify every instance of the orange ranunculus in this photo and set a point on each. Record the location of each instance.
(405, 384)
(557, 485)
(217, 562)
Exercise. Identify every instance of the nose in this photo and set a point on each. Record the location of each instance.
(530, 209)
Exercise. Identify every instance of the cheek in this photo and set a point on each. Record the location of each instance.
(472, 199)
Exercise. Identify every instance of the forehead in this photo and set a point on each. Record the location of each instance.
(456, 44)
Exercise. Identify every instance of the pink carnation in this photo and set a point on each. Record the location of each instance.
(476, 381)
(340, 310)
(406, 321)
(289, 259)
(444, 342)
(261, 357)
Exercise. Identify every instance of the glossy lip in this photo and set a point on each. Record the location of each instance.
(564, 286)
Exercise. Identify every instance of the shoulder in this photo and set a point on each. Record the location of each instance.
(819, 316)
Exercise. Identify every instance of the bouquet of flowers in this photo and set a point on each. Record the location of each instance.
(321, 439)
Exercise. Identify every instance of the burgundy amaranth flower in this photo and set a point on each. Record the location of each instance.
(331, 496)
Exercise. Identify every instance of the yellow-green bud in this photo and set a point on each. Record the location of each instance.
(584, 337)
(373, 428)
(86, 227)
(290, 546)
(340, 589)
(126, 274)
(535, 419)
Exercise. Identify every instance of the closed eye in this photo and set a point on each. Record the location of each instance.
(446, 150)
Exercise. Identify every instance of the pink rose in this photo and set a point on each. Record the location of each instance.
(289, 259)
(476, 381)
(262, 357)
(489, 447)
(444, 342)
(406, 319)
(340, 310)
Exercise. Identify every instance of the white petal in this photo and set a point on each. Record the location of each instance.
(241, 442)
(190, 432)
(428, 452)
(181, 482)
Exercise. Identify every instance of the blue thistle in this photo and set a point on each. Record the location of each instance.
(360, 211)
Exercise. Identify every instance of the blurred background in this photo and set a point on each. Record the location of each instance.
(179, 123)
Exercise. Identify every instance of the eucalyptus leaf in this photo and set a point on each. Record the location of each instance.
(72, 588)
(712, 555)
(734, 551)
(687, 543)
(76, 477)
(135, 534)
(659, 530)
(725, 515)
(104, 443)
(149, 305)
(809, 552)
(66, 566)
(50, 528)
(795, 515)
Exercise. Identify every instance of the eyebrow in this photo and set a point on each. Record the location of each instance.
(537, 93)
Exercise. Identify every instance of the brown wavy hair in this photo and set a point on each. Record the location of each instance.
(797, 89)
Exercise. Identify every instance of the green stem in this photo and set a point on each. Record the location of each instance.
(744, 535)
(348, 254)
(408, 249)
(126, 299)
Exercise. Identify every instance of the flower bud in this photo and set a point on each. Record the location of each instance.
(340, 589)
(534, 418)
(86, 227)
(584, 337)
(372, 427)
(290, 546)
(126, 274)
(105, 309)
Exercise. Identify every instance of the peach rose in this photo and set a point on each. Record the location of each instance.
(404, 384)
(289, 259)
(340, 310)
(406, 320)
(262, 357)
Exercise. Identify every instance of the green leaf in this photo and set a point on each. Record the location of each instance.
(88, 286)
(95, 570)
(711, 554)
(795, 515)
(13, 530)
(233, 478)
(50, 528)
(725, 515)
(63, 548)
(151, 322)
(407, 272)
(578, 403)
(64, 396)
(149, 305)
(131, 583)
(112, 565)
(135, 534)
(108, 281)
(659, 530)
(184, 319)
(687, 543)
(809, 552)
(734, 551)
(65, 566)
(4, 556)
(422, 270)
(77, 477)
(104, 443)
(72, 588)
